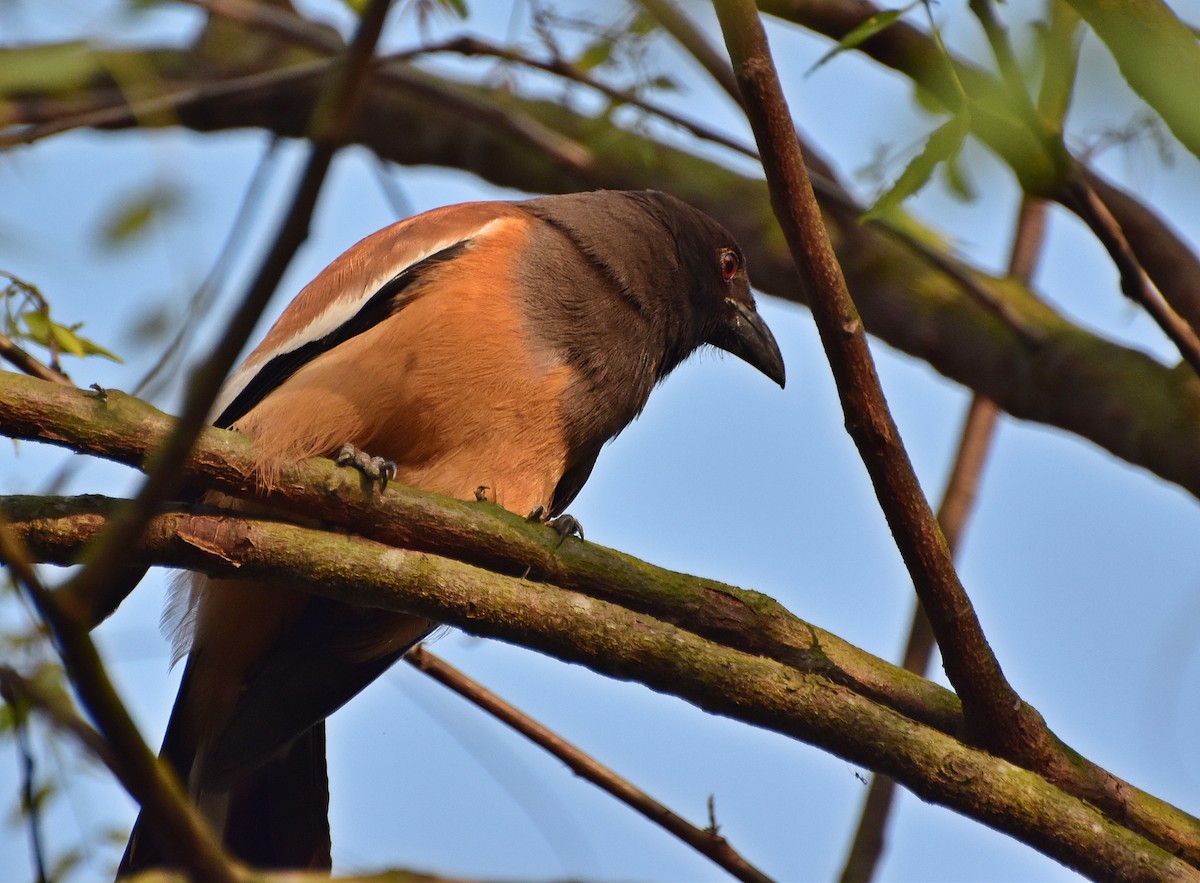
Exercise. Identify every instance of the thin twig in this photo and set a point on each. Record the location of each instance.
(23, 361)
(468, 45)
(30, 805)
(202, 297)
(15, 687)
(1134, 284)
(152, 784)
(958, 500)
(995, 715)
(392, 69)
(685, 32)
(707, 843)
(97, 590)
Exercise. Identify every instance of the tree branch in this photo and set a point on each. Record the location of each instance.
(627, 645)
(125, 429)
(958, 500)
(706, 842)
(1041, 165)
(994, 714)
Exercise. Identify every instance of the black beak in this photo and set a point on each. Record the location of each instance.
(747, 336)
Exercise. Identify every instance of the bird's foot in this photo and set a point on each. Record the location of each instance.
(373, 469)
(564, 525)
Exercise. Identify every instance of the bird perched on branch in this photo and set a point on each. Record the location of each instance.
(485, 345)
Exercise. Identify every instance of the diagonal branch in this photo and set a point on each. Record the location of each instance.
(975, 442)
(176, 823)
(994, 714)
(707, 842)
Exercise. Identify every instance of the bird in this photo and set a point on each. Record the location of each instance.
(478, 350)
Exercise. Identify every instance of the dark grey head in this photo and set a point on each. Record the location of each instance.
(676, 266)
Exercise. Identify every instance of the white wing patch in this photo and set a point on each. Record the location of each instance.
(339, 311)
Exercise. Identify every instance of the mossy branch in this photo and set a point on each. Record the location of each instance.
(634, 646)
(124, 429)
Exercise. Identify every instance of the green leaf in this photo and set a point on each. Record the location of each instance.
(54, 68)
(458, 7)
(862, 32)
(43, 331)
(957, 179)
(595, 55)
(65, 339)
(943, 144)
(133, 215)
(37, 327)
(643, 23)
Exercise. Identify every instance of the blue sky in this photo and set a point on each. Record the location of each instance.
(1081, 567)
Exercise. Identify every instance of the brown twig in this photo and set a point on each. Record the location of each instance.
(676, 23)
(97, 590)
(23, 361)
(866, 849)
(993, 711)
(707, 843)
(468, 45)
(293, 28)
(1134, 285)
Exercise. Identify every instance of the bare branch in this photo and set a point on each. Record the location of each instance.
(23, 361)
(706, 842)
(993, 711)
(866, 849)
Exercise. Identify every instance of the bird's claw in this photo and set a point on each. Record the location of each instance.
(373, 469)
(564, 525)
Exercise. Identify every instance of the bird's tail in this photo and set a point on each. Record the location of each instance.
(278, 817)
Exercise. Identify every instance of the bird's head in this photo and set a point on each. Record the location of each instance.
(716, 284)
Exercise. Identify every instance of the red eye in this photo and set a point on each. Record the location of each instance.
(729, 265)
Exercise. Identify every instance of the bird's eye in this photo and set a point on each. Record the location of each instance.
(729, 264)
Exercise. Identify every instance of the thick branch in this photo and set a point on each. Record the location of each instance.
(628, 645)
(128, 430)
(124, 429)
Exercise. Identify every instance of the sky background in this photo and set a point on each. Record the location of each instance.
(1082, 568)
